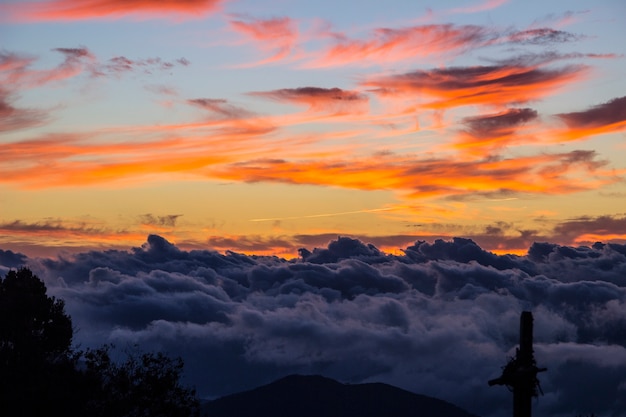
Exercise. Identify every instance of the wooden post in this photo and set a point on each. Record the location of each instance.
(520, 374)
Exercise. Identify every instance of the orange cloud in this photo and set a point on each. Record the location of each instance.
(608, 117)
(493, 131)
(63, 10)
(89, 159)
(73, 161)
(414, 177)
(495, 85)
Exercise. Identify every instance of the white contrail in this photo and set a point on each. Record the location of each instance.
(502, 199)
(312, 216)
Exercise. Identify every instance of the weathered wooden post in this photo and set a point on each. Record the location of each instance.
(520, 374)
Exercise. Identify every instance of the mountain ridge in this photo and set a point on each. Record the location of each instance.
(318, 396)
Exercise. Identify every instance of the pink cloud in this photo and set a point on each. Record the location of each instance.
(15, 118)
(16, 73)
(481, 7)
(277, 36)
(386, 44)
(64, 10)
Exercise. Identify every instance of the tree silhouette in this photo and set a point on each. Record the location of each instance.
(143, 385)
(33, 326)
(40, 373)
(37, 366)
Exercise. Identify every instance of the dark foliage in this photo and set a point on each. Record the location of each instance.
(37, 367)
(40, 373)
(33, 326)
(144, 385)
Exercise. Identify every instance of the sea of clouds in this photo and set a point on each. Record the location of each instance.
(441, 319)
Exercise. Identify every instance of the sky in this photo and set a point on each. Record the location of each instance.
(264, 127)
(371, 191)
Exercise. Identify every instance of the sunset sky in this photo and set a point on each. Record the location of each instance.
(266, 126)
(391, 154)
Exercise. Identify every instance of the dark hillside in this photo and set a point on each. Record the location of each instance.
(317, 396)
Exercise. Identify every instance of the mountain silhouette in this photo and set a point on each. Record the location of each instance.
(318, 396)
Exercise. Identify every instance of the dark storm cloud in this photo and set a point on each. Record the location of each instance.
(611, 112)
(440, 319)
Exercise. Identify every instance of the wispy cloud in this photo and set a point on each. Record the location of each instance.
(64, 231)
(435, 177)
(221, 108)
(542, 36)
(319, 99)
(65, 10)
(591, 229)
(440, 40)
(493, 131)
(168, 220)
(482, 85)
(122, 64)
(16, 70)
(278, 36)
(480, 7)
(390, 45)
(314, 216)
(15, 118)
(603, 118)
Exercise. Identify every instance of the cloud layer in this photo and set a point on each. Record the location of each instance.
(440, 319)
